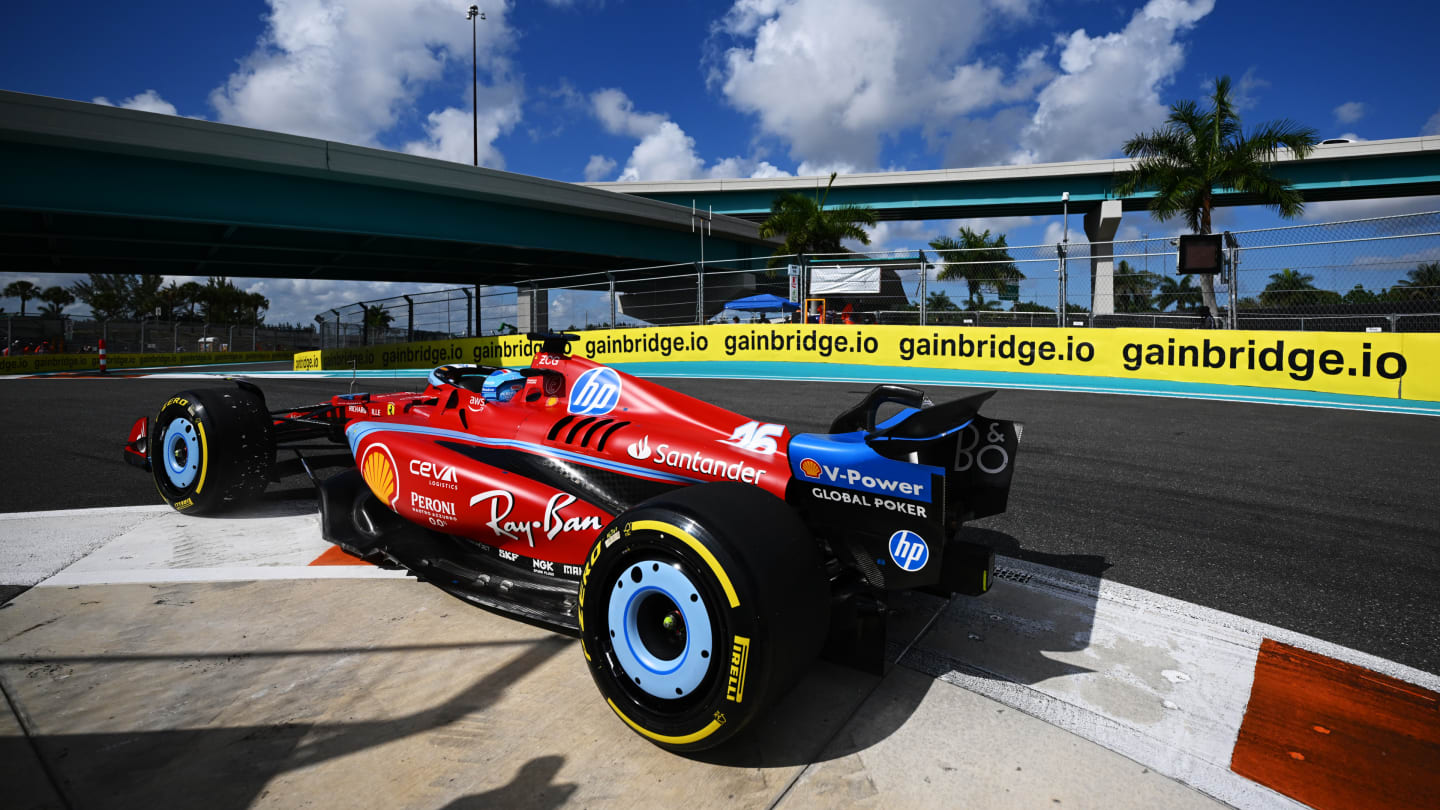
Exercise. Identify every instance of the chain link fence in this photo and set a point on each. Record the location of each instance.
(30, 334)
(1380, 274)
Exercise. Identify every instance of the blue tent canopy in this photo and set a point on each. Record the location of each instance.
(762, 303)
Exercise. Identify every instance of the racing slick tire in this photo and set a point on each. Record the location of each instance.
(698, 609)
(212, 449)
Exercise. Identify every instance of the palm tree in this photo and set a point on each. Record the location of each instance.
(980, 261)
(1200, 151)
(191, 296)
(56, 299)
(1134, 288)
(940, 302)
(808, 227)
(24, 290)
(1288, 288)
(107, 295)
(1420, 284)
(1181, 293)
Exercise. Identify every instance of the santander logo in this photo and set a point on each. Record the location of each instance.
(639, 450)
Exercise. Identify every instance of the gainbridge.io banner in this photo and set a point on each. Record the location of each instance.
(1365, 364)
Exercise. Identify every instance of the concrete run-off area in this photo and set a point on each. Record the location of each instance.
(168, 660)
(388, 693)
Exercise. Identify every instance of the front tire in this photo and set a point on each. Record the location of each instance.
(699, 609)
(211, 450)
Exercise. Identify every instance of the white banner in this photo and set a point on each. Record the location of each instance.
(844, 281)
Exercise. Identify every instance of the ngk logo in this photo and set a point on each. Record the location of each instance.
(434, 474)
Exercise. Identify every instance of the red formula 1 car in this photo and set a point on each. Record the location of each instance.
(702, 558)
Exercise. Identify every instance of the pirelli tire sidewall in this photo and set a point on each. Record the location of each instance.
(760, 645)
(227, 438)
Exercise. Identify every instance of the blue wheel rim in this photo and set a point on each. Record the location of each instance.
(180, 453)
(648, 668)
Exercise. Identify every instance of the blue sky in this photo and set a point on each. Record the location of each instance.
(604, 90)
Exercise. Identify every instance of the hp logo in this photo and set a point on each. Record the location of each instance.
(596, 392)
(908, 550)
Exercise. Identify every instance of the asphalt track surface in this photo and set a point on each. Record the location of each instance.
(1324, 522)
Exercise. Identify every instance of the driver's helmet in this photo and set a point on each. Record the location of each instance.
(501, 385)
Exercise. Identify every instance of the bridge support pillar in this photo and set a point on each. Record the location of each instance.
(532, 310)
(1100, 225)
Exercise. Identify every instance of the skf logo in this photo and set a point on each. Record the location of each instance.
(639, 450)
(908, 550)
(739, 658)
(378, 469)
(596, 393)
(810, 467)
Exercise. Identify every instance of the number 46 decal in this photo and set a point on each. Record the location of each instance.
(756, 437)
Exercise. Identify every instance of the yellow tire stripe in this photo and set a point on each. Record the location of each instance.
(688, 738)
(695, 545)
(204, 457)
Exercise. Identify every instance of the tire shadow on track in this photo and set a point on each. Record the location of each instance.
(835, 711)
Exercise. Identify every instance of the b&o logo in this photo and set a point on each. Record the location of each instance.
(596, 393)
(908, 550)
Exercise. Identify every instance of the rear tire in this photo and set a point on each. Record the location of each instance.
(699, 609)
(211, 449)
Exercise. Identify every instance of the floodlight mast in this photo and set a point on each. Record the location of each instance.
(1064, 249)
(472, 14)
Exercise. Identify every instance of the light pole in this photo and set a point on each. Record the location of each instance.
(471, 15)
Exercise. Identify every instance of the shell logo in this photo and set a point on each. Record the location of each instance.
(810, 467)
(378, 469)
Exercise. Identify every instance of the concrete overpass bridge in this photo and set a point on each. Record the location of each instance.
(1392, 168)
(88, 188)
(1402, 167)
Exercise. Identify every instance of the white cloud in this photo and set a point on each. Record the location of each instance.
(1340, 210)
(148, 101)
(1350, 112)
(1110, 87)
(665, 152)
(834, 77)
(1432, 126)
(1246, 90)
(598, 168)
(451, 133)
(350, 71)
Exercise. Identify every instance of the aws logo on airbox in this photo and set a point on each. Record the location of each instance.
(915, 485)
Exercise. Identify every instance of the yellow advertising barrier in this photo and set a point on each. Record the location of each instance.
(1366, 364)
(44, 363)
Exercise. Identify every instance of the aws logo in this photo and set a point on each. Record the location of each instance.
(378, 469)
